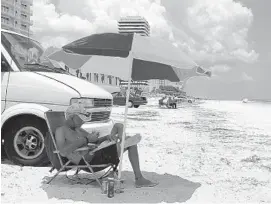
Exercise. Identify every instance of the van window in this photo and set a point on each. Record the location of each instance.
(5, 67)
(21, 49)
(28, 54)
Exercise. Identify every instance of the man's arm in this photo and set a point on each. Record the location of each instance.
(92, 137)
(102, 139)
(64, 148)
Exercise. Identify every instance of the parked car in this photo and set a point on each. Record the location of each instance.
(119, 98)
(30, 88)
(181, 99)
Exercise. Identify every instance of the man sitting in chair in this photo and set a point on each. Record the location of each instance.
(71, 136)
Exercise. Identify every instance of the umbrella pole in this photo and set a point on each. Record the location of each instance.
(125, 115)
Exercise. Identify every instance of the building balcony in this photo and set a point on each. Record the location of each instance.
(8, 3)
(132, 28)
(7, 25)
(134, 31)
(18, 16)
(8, 13)
(25, 32)
(28, 10)
(27, 2)
(136, 25)
(133, 19)
(126, 28)
(18, 6)
(26, 21)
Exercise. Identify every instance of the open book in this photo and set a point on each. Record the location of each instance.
(104, 144)
(130, 141)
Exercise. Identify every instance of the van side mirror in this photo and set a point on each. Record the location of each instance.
(4, 66)
(200, 70)
(208, 73)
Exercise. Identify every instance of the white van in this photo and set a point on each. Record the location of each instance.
(30, 88)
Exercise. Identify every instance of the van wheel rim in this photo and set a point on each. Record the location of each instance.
(28, 143)
(130, 104)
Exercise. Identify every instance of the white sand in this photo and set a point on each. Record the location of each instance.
(211, 152)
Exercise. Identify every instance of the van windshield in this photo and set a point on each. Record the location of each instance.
(28, 54)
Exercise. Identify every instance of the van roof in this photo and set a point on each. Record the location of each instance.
(12, 32)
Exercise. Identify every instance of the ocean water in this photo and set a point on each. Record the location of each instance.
(224, 145)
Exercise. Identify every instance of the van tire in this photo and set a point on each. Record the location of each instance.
(10, 134)
(136, 106)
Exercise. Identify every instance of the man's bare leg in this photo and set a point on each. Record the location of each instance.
(134, 160)
(140, 181)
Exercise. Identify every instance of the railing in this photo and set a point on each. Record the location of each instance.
(26, 32)
(26, 10)
(9, 13)
(6, 24)
(29, 2)
(26, 20)
(11, 3)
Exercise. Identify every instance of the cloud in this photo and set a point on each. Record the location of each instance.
(96, 16)
(222, 28)
(245, 56)
(246, 77)
(56, 41)
(47, 19)
(52, 28)
(209, 30)
(220, 68)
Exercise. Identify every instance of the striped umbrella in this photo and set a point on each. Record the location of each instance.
(73, 61)
(153, 58)
(148, 58)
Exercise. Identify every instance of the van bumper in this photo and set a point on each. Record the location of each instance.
(104, 128)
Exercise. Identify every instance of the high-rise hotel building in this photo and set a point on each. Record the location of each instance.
(134, 24)
(16, 16)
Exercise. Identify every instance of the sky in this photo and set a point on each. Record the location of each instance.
(229, 37)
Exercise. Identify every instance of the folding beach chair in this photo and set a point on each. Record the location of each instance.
(62, 164)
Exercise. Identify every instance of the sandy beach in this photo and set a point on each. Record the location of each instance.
(209, 152)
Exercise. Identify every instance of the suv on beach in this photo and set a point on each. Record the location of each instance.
(135, 101)
(181, 99)
(31, 84)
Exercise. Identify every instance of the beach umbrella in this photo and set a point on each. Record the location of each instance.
(115, 66)
(74, 61)
(146, 57)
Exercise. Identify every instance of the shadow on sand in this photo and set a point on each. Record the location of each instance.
(170, 189)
